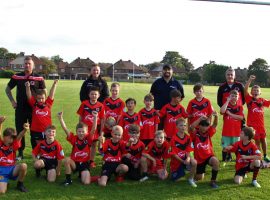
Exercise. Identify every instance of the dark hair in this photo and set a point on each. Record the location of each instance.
(80, 125)
(197, 87)
(249, 131)
(52, 127)
(175, 93)
(93, 88)
(234, 92)
(204, 122)
(9, 132)
(41, 92)
(130, 99)
(115, 84)
(167, 66)
(28, 58)
(149, 97)
(134, 128)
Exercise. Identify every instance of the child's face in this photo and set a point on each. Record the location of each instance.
(50, 134)
(134, 135)
(41, 98)
(131, 105)
(115, 91)
(234, 98)
(116, 135)
(94, 95)
(8, 140)
(159, 139)
(204, 128)
(110, 124)
(81, 132)
(256, 92)
(243, 136)
(199, 93)
(176, 100)
(148, 103)
(181, 126)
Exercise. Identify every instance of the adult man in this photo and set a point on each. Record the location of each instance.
(23, 111)
(162, 87)
(94, 80)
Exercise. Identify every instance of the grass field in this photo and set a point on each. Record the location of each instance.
(67, 99)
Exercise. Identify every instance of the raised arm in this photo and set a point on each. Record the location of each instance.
(53, 88)
(225, 105)
(94, 126)
(215, 122)
(2, 119)
(251, 78)
(196, 123)
(26, 127)
(10, 97)
(63, 124)
(28, 90)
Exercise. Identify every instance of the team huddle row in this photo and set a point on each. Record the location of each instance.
(131, 144)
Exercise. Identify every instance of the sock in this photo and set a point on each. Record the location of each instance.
(224, 156)
(19, 183)
(68, 177)
(264, 155)
(255, 172)
(214, 175)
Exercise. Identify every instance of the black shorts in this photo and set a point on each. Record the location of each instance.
(201, 167)
(49, 163)
(146, 141)
(36, 136)
(82, 166)
(242, 172)
(109, 168)
(133, 173)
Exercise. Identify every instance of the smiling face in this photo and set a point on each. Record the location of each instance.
(230, 76)
(255, 91)
(50, 134)
(28, 66)
(81, 132)
(95, 71)
(181, 126)
(167, 73)
(117, 132)
(41, 98)
(93, 96)
(115, 92)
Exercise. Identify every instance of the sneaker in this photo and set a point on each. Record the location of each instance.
(67, 183)
(144, 178)
(213, 184)
(256, 184)
(22, 188)
(119, 179)
(92, 165)
(192, 183)
(266, 159)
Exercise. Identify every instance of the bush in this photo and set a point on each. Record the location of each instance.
(6, 73)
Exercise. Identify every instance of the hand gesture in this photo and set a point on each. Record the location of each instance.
(27, 84)
(214, 113)
(228, 98)
(252, 77)
(131, 140)
(128, 155)
(60, 114)
(203, 117)
(55, 81)
(244, 157)
(101, 139)
(26, 126)
(94, 113)
(14, 104)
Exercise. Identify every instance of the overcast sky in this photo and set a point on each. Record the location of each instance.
(139, 30)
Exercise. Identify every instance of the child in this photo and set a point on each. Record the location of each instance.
(203, 148)
(110, 122)
(134, 149)
(149, 119)
(85, 113)
(199, 106)
(171, 112)
(154, 157)
(113, 105)
(180, 154)
(129, 117)
(9, 144)
(80, 155)
(233, 117)
(248, 156)
(48, 154)
(255, 117)
(41, 112)
(113, 149)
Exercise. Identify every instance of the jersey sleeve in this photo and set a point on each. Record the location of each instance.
(210, 107)
(211, 131)
(162, 112)
(80, 110)
(189, 108)
(184, 113)
(16, 145)
(71, 138)
(49, 101)
(248, 98)
(102, 112)
(60, 152)
(234, 147)
(36, 150)
(266, 103)
(166, 153)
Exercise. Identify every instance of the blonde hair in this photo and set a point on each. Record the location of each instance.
(160, 133)
(118, 129)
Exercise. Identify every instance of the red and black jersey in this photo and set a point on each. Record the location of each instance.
(203, 147)
(19, 79)
(224, 92)
(113, 108)
(169, 114)
(126, 120)
(81, 148)
(135, 150)
(159, 153)
(255, 117)
(49, 151)
(199, 108)
(248, 150)
(113, 151)
(232, 127)
(149, 121)
(41, 114)
(8, 153)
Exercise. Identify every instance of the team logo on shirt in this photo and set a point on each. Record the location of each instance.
(111, 113)
(6, 160)
(32, 82)
(89, 118)
(203, 146)
(172, 120)
(258, 110)
(148, 122)
(199, 114)
(81, 154)
(41, 113)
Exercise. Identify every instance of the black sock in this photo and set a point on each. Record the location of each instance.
(264, 155)
(229, 156)
(224, 156)
(68, 177)
(255, 173)
(19, 183)
(214, 175)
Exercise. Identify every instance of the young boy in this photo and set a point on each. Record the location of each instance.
(80, 155)
(113, 149)
(9, 144)
(48, 155)
(171, 112)
(233, 120)
(199, 106)
(180, 154)
(255, 116)
(149, 119)
(134, 149)
(85, 113)
(110, 122)
(203, 148)
(41, 112)
(129, 117)
(154, 157)
(113, 105)
(248, 156)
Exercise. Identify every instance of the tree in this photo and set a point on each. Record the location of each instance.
(50, 66)
(153, 65)
(10, 56)
(3, 52)
(56, 59)
(194, 77)
(259, 68)
(173, 58)
(214, 73)
(187, 64)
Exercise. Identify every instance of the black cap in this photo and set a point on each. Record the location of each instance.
(167, 66)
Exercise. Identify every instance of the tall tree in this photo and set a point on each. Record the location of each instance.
(56, 59)
(173, 58)
(3, 52)
(187, 64)
(50, 66)
(259, 68)
(214, 73)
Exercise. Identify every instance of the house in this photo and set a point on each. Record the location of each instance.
(104, 68)
(4, 63)
(62, 70)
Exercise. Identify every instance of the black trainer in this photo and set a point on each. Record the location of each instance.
(21, 188)
(67, 182)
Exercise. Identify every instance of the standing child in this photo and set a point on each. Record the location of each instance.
(48, 155)
(41, 112)
(171, 112)
(85, 113)
(9, 144)
(149, 119)
(129, 117)
(180, 154)
(110, 122)
(233, 120)
(203, 147)
(255, 117)
(248, 156)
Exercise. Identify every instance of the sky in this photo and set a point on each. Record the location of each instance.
(137, 30)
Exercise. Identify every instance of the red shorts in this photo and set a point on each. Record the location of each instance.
(152, 169)
(259, 136)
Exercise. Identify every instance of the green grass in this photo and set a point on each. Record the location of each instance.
(67, 99)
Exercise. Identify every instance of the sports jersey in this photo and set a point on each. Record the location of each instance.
(232, 127)
(81, 148)
(179, 147)
(149, 121)
(248, 150)
(41, 114)
(170, 114)
(135, 150)
(255, 117)
(49, 151)
(126, 120)
(113, 108)
(159, 153)
(8, 153)
(203, 147)
(113, 151)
